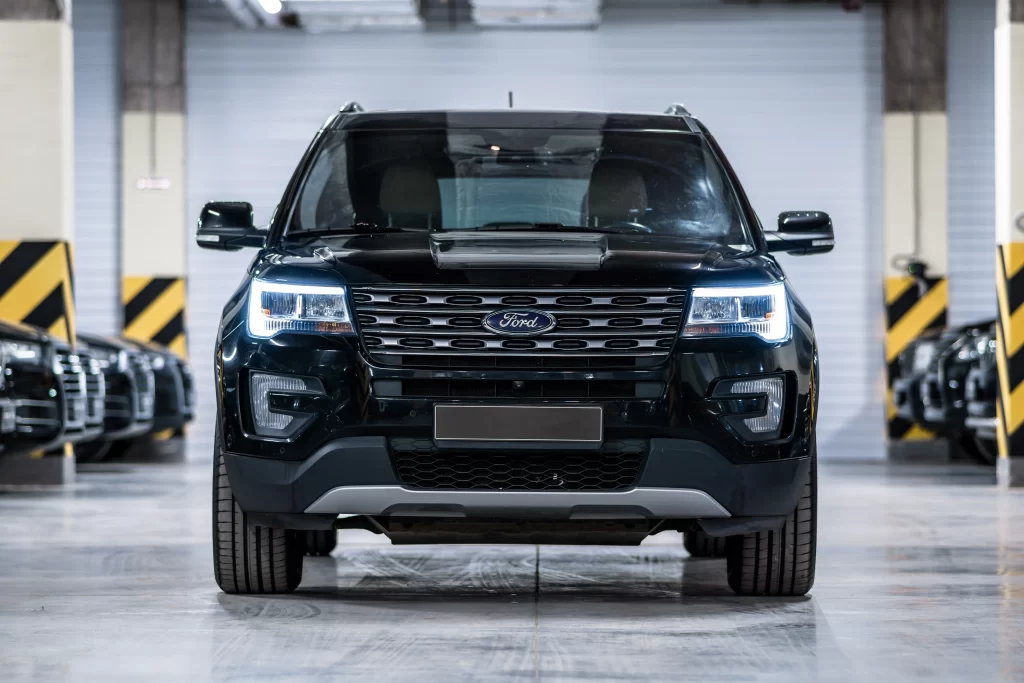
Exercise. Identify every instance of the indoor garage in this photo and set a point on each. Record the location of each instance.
(512, 340)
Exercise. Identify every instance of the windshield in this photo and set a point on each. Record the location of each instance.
(663, 183)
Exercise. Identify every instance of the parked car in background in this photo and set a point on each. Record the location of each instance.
(912, 365)
(32, 391)
(172, 407)
(129, 394)
(933, 384)
(83, 392)
(981, 394)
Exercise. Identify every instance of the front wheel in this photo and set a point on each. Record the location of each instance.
(248, 558)
(779, 562)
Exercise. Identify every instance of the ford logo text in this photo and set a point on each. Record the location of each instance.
(519, 322)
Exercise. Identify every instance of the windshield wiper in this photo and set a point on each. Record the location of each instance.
(359, 228)
(553, 227)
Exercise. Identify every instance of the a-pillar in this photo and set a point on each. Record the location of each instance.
(37, 190)
(914, 186)
(154, 226)
(1009, 91)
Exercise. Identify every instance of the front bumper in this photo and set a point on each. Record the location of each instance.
(679, 479)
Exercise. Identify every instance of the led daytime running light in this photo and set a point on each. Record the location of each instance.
(311, 309)
(761, 311)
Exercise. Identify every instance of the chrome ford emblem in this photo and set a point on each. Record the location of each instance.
(519, 322)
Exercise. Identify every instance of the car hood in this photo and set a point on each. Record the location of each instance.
(520, 260)
(21, 332)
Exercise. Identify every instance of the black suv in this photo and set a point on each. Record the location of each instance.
(512, 326)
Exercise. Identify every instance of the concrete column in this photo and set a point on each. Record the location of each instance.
(154, 226)
(1009, 56)
(37, 165)
(915, 183)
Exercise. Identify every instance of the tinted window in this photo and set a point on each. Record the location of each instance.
(663, 182)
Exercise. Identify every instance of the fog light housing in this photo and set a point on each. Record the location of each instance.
(281, 405)
(754, 407)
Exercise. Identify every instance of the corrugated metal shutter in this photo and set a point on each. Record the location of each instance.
(971, 89)
(792, 93)
(96, 26)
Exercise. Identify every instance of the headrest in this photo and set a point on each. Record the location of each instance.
(616, 193)
(410, 188)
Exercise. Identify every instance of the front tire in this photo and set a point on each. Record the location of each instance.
(779, 562)
(247, 558)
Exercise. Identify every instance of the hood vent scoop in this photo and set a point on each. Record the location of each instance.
(525, 249)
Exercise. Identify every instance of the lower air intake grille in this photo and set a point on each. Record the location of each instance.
(615, 467)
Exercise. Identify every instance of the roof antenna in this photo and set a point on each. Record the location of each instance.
(509, 99)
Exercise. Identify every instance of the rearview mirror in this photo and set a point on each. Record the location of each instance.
(228, 226)
(802, 233)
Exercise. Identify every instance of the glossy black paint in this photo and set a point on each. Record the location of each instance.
(37, 383)
(228, 226)
(351, 408)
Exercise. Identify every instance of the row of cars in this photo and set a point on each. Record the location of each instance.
(948, 383)
(100, 396)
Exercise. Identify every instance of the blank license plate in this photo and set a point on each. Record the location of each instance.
(485, 425)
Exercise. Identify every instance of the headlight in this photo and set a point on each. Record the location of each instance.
(24, 353)
(923, 353)
(738, 312)
(156, 361)
(277, 308)
(115, 359)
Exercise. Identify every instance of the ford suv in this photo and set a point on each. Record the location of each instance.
(522, 327)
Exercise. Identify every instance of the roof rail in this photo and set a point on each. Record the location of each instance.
(677, 110)
(351, 108)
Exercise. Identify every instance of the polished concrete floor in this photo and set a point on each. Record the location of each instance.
(920, 577)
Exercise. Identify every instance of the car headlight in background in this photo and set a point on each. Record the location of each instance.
(761, 311)
(115, 359)
(156, 361)
(25, 353)
(312, 309)
(924, 351)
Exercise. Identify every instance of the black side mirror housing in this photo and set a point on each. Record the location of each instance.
(802, 233)
(228, 226)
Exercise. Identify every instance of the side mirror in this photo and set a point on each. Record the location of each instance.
(802, 233)
(228, 226)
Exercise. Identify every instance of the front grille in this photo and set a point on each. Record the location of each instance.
(564, 389)
(144, 387)
(95, 389)
(443, 327)
(616, 467)
(75, 397)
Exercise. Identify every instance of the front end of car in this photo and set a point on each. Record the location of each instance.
(521, 327)
(31, 391)
(400, 402)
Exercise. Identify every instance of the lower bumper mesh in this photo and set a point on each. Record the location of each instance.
(420, 465)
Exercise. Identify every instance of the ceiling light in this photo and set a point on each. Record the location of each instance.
(271, 6)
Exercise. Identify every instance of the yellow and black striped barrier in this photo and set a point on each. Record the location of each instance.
(913, 306)
(1009, 343)
(154, 310)
(37, 285)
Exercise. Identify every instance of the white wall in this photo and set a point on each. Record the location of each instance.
(96, 26)
(972, 202)
(793, 93)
